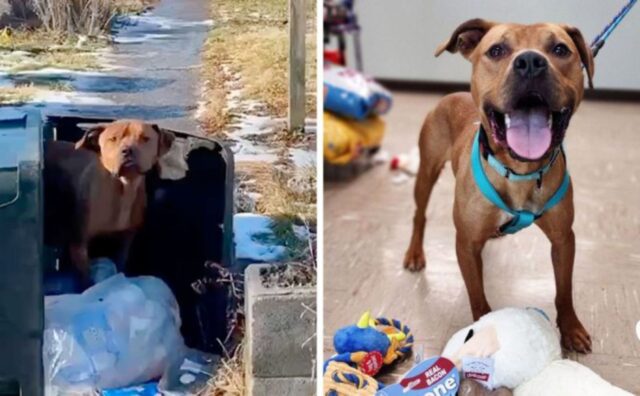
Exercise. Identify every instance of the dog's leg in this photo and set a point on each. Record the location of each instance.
(79, 256)
(125, 242)
(557, 226)
(434, 145)
(469, 253)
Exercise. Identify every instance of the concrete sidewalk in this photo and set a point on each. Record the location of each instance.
(368, 225)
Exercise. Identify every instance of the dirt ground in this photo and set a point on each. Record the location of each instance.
(368, 226)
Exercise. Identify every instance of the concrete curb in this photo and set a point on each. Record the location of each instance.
(280, 349)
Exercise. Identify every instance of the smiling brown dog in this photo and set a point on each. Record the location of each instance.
(96, 186)
(527, 81)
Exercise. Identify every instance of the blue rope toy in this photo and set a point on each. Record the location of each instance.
(372, 343)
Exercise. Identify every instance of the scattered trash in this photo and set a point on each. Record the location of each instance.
(407, 162)
(400, 178)
(150, 389)
(381, 157)
(102, 269)
(190, 375)
(120, 332)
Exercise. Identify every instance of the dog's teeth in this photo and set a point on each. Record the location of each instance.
(507, 120)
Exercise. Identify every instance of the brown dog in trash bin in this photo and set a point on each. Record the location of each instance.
(96, 186)
(526, 83)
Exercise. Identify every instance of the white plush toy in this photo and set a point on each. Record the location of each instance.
(525, 348)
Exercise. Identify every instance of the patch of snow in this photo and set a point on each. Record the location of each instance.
(139, 38)
(136, 29)
(133, 21)
(302, 158)
(67, 98)
(57, 72)
(250, 232)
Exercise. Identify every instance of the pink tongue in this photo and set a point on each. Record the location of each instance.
(528, 134)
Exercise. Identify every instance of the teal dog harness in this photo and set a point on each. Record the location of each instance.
(521, 218)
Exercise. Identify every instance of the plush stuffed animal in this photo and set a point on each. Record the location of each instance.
(472, 388)
(525, 348)
(568, 378)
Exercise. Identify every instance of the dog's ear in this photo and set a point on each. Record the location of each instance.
(586, 55)
(466, 37)
(165, 140)
(90, 139)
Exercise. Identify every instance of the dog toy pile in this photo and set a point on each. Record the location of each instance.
(363, 350)
(372, 343)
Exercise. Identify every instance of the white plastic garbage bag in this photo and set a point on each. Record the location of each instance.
(120, 332)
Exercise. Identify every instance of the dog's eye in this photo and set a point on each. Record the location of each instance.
(496, 51)
(113, 139)
(561, 50)
(145, 139)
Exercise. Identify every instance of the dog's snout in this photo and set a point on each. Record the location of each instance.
(126, 151)
(530, 64)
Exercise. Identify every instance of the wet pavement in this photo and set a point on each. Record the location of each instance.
(152, 70)
(368, 225)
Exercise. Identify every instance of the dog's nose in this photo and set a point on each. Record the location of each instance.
(126, 151)
(530, 64)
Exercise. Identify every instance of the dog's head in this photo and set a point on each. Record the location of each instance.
(127, 149)
(527, 80)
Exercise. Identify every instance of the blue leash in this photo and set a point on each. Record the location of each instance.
(521, 218)
(604, 35)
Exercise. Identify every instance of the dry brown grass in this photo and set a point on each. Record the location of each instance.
(229, 379)
(90, 17)
(87, 17)
(279, 197)
(216, 114)
(133, 6)
(62, 60)
(251, 39)
(17, 95)
(60, 42)
(38, 49)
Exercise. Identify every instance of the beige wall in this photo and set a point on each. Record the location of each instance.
(400, 36)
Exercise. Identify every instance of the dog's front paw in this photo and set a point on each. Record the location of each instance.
(574, 336)
(414, 260)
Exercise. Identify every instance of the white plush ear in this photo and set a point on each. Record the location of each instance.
(528, 343)
(455, 343)
(568, 378)
(482, 343)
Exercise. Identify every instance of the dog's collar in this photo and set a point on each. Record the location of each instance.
(505, 171)
(520, 218)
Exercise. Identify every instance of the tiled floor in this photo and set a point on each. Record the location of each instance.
(368, 225)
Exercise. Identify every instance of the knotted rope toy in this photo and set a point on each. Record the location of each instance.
(372, 343)
(340, 379)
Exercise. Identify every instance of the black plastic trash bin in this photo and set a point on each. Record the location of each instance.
(188, 222)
